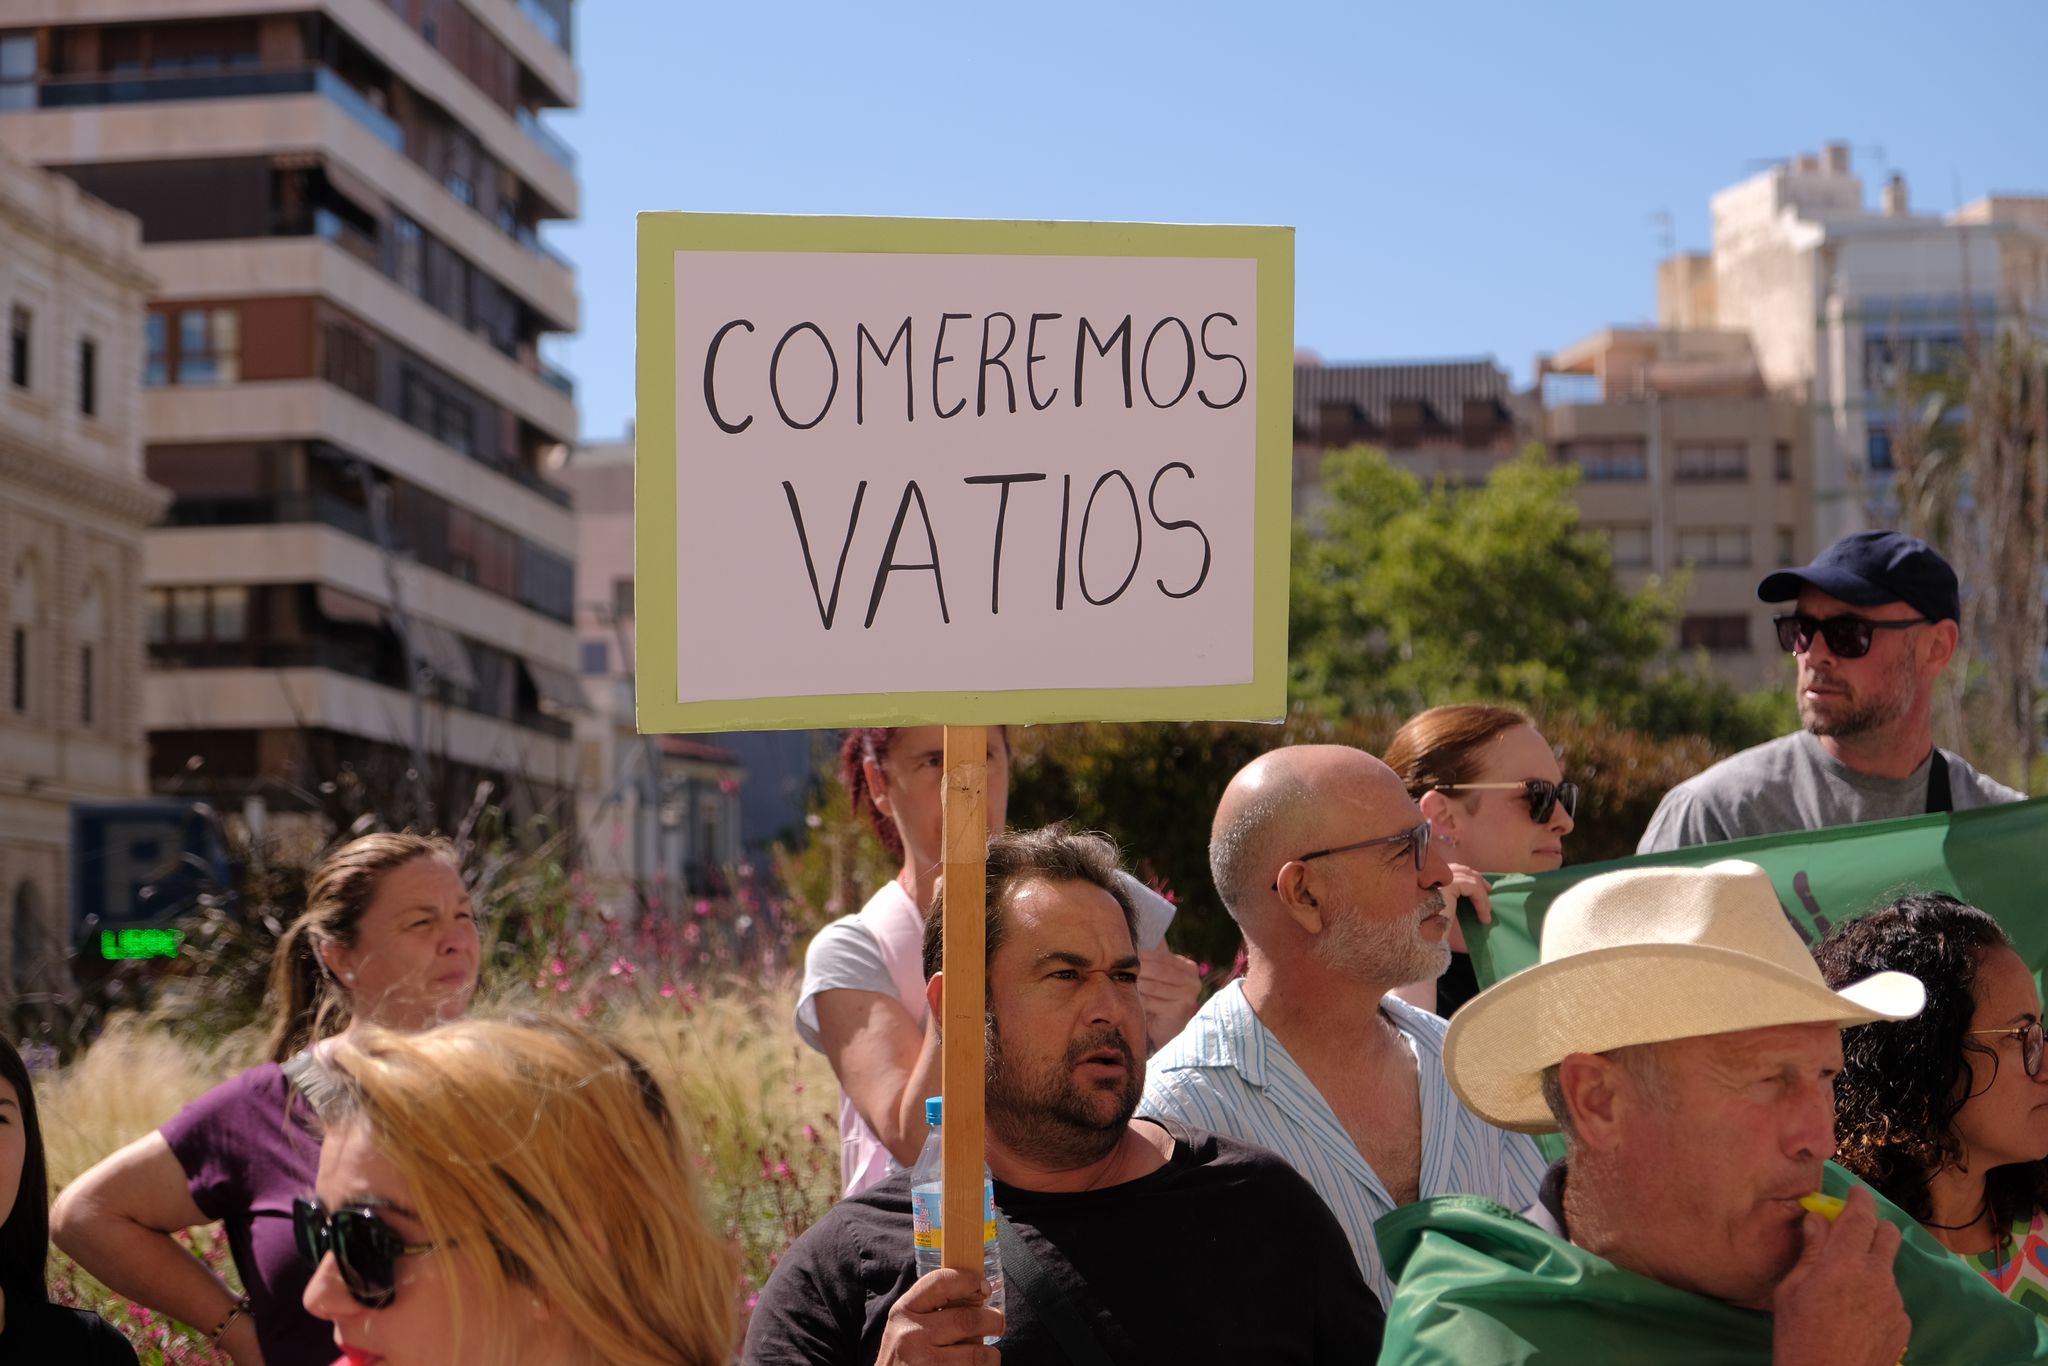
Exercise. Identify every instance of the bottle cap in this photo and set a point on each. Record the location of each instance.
(933, 1108)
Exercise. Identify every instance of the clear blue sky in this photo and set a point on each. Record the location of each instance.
(1466, 179)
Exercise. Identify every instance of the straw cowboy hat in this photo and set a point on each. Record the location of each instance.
(1642, 956)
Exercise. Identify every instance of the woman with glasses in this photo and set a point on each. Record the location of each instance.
(508, 1193)
(388, 938)
(862, 1004)
(1946, 1114)
(32, 1329)
(1496, 801)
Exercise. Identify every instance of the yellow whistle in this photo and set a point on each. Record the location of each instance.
(1827, 1207)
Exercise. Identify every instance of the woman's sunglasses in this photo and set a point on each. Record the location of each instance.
(365, 1248)
(1543, 796)
(2030, 1038)
(1847, 637)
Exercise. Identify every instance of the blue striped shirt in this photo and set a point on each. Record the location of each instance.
(1227, 1073)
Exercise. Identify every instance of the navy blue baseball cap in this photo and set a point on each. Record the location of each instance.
(1872, 568)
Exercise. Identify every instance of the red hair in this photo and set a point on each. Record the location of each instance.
(872, 742)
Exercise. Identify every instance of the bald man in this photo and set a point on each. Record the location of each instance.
(1324, 861)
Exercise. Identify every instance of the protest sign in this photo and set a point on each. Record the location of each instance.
(901, 471)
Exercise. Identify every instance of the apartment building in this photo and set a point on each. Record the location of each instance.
(1689, 465)
(362, 595)
(73, 505)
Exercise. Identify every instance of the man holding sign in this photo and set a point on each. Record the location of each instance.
(1134, 1241)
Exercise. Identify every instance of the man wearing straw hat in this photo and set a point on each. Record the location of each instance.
(1679, 1036)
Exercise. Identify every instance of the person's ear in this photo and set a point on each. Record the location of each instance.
(1298, 899)
(1591, 1085)
(935, 996)
(878, 786)
(1442, 814)
(1942, 640)
(337, 968)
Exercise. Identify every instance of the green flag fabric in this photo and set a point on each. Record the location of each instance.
(1479, 1284)
(1994, 857)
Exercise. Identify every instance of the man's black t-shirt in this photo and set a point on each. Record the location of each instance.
(1225, 1255)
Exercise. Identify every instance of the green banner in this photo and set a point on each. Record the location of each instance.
(1995, 858)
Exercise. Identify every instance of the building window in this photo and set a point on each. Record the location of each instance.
(88, 377)
(190, 616)
(1878, 451)
(622, 599)
(209, 346)
(1713, 461)
(597, 657)
(1608, 461)
(1630, 545)
(411, 254)
(18, 71)
(1709, 546)
(156, 350)
(1785, 550)
(230, 612)
(85, 684)
(19, 652)
(19, 327)
(1718, 633)
(1781, 456)
(91, 630)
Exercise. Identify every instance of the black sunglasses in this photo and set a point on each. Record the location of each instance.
(1543, 796)
(365, 1248)
(1416, 839)
(1847, 637)
(2030, 1038)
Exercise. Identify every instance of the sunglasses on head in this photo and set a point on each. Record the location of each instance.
(1847, 637)
(1543, 796)
(365, 1248)
(2030, 1038)
(1417, 841)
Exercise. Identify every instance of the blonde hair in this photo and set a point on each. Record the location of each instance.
(306, 1004)
(550, 1155)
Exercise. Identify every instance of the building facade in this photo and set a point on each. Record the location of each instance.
(1690, 466)
(362, 596)
(1843, 299)
(1453, 420)
(660, 815)
(73, 505)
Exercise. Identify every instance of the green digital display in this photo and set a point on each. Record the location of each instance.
(140, 943)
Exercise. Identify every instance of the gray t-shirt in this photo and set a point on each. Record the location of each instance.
(1792, 783)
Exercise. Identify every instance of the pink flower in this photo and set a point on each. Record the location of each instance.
(622, 968)
(559, 968)
(703, 907)
(668, 990)
(810, 1133)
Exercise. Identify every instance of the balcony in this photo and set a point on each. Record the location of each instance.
(528, 238)
(221, 83)
(557, 380)
(283, 509)
(550, 141)
(554, 27)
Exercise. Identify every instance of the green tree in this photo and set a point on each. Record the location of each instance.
(1407, 597)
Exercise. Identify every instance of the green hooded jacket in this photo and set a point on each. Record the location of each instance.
(1481, 1286)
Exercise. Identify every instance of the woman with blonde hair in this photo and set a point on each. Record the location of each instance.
(388, 938)
(508, 1193)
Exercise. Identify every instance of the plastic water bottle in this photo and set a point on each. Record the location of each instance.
(927, 1211)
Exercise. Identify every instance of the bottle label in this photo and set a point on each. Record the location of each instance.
(928, 1219)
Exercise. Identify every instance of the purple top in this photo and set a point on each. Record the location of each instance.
(244, 1164)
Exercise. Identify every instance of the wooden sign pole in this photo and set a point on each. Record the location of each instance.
(963, 1032)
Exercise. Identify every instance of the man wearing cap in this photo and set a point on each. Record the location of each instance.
(1873, 624)
(1679, 1036)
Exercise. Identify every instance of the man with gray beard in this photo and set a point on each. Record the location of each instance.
(1874, 622)
(1325, 862)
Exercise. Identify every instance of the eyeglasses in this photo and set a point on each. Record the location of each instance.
(2030, 1039)
(1544, 796)
(1417, 840)
(1848, 637)
(365, 1248)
